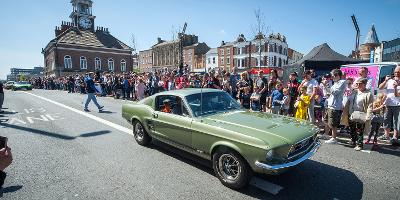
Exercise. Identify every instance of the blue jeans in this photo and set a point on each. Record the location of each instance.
(91, 97)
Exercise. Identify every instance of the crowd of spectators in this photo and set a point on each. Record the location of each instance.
(331, 101)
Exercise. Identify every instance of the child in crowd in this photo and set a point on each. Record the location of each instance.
(285, 103)
(255, 100)
(302, 104)
(378, 110)
(276, 98)
(245, 100)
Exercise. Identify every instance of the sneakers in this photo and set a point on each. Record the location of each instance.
(101, 108)
(331, 141)
(358, 148)
(86, 110)
(383, 137)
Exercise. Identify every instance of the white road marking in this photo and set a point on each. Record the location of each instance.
(98, 119)
(266, 186)
(257, 182)
(367, 148)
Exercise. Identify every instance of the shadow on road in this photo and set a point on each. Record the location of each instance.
(54, 135)
(309, 180)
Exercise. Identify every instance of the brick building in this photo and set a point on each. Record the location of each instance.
(78, 47)
(145, 60)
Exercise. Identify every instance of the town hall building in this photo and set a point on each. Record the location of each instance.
(79, 47)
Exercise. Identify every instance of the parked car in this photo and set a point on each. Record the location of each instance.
(22, 85)
(209, 123)
(9, 85)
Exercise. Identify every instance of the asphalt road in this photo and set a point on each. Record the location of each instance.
(62, 154)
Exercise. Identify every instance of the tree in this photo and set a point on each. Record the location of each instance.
(260, 31)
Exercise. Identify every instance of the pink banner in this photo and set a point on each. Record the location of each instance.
(353, 73)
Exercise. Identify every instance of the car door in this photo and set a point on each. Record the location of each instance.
(173, 127)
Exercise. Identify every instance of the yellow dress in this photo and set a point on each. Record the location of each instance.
(301, 111)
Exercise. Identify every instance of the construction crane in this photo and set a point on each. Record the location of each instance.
(181, 43)
(357, 33)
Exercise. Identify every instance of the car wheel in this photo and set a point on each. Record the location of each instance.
(231, 169)
(140, 134)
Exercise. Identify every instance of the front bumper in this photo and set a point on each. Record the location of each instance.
(292, 163)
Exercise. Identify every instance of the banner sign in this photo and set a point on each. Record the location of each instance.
(372, 74)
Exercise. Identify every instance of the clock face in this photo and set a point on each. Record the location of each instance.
(85, 22)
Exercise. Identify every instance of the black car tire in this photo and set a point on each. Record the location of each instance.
(140, 133)
(244, 172)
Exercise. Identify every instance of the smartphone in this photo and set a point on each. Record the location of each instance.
(3, 142)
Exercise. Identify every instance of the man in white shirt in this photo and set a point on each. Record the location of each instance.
(392, 104)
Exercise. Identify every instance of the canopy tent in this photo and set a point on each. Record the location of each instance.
(322, 59)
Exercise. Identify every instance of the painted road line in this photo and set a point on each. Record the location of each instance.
(367, 148)
(98, 119)
(265, 185)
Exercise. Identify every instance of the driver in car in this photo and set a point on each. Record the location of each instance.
(167, 106)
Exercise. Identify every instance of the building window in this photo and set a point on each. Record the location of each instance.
(97, 64)
(274, 61)
(123, 66)
(222, 52)
(222, 61)
(111, 64)
(228, 61)
(209, 60)
(213, 60)
(280, 62)
(67, 62)
(228, 51)
(83, 63)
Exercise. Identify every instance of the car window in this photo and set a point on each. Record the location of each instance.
(171, 104)
(211, 102)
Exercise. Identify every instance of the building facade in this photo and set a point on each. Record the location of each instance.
(391, 51)
(194, 56)
(294, 56)
(78, 47)
(211, 60)
(371, 42)
(145, 60)
(17, 73)
(225, 56)
(271, 51)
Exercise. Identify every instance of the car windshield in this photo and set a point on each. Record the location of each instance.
(22, 82)
(211, 102)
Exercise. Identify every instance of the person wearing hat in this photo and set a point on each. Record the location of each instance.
(360, 110)
(166, 106)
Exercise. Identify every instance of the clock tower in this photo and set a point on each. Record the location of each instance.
(81, 15)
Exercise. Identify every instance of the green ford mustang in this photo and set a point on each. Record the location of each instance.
(23, 85)
(211, 124)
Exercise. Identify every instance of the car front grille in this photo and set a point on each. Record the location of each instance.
(301, 147)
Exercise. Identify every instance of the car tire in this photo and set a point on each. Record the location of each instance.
(225, 163)
(140, 133)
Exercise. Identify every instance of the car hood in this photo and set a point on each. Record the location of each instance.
(268, 127)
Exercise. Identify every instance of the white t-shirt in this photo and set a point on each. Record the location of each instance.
(391, 99)
(311, 85)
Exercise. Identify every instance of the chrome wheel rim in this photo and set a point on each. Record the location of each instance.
(229, 167)
(139, 132)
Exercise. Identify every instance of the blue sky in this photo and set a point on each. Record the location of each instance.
(27, 25)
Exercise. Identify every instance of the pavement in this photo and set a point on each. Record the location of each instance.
(61, 152)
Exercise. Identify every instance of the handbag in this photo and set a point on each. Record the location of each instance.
(358, 116)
